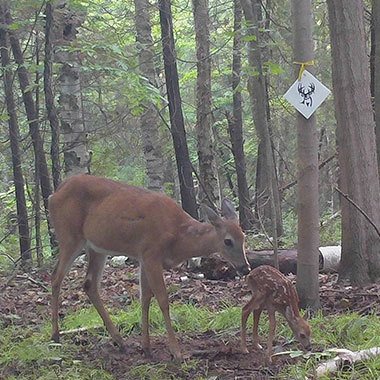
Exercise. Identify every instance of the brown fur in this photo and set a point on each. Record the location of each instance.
(112, 218)
(273, 292)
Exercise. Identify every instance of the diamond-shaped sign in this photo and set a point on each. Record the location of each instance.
(307, 94)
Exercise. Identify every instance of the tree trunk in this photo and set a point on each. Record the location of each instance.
(75, 154)
(33, 120)
(208, 174)
(235, 126)
(31, 114)
(376, 71)
(257, 91)
(359, 178)
(49, 98)
(307, 149)
(265, 155)
(37, 192)
(14, 136)
(149, 118)
(175, 110)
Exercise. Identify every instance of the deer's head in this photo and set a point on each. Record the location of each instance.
(231, 236)
(300, 327)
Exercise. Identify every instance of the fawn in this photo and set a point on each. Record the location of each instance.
(272, 291)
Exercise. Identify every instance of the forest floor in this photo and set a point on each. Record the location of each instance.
(25, 303)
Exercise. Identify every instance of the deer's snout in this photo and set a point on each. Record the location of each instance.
(244, 269)
(307, 347)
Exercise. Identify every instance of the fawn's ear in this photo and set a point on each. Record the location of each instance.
(289, 312)
(211, 215)
(228, 210)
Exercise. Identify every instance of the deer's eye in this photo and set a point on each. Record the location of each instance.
(228, 242)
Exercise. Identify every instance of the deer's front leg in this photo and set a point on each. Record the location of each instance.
(260, 298)
(252, 306)
(146, 295)
(91, 286)
(247, 309)
(154, 274)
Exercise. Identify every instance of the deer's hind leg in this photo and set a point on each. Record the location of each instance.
(146, 295)
(272, 330)
(255, 329)
(69, 250)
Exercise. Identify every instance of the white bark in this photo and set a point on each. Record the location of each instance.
(344, 359)
(150, 119)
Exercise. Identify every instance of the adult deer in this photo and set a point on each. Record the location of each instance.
(110, 218)
(272, 291)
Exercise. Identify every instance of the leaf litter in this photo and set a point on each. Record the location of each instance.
(209, 354)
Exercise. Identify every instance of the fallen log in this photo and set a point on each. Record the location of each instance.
(215, 269)
(287, 259)
(329, 259)
(344, 360)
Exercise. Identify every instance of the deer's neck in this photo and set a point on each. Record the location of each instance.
(196, 239)
(292, 317)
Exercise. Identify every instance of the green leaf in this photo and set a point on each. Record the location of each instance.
(273, 68)
(249, 38)
(16, 25)
(4, 117)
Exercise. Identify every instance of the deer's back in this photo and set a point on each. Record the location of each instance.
(112, 214)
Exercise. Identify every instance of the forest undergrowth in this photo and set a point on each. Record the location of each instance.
(206, 316)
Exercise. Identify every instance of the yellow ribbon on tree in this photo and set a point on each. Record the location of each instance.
(303, 67)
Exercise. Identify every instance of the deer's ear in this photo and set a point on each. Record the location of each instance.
(228, 210)
(289, 312)
(211, 215)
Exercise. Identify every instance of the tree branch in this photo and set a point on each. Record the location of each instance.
(359, 209)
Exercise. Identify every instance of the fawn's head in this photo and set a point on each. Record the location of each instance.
(300, 327)
(231, 236)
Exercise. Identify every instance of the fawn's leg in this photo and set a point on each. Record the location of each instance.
(256, 319)
(253, 304)
(246, 311)
(272, 330)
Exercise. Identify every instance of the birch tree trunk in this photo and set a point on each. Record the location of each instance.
(308, 174)
(49, 97)
(208, 175)
(76, 156)
(150, 117)
(359, 177)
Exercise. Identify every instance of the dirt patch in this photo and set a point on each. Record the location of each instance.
(216, 356)
(25, 301)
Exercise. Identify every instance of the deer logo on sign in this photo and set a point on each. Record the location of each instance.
(306, 95)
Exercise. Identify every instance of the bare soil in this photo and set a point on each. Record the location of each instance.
(25, 301)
